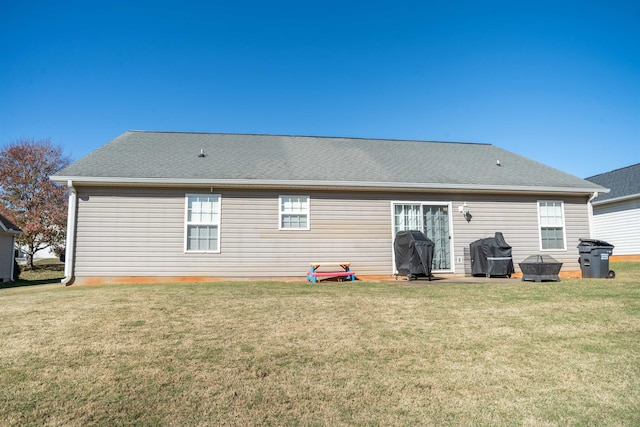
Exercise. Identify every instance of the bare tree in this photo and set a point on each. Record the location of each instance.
(29, 199)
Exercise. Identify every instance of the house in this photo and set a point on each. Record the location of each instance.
(169, 206)
(8, 233)
(616, 215)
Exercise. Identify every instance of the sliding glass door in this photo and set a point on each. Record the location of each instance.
(434, 221)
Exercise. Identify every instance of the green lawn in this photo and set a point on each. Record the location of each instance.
(364, 353)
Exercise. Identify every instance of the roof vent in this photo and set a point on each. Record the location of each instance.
(498, 163)
(201, 153)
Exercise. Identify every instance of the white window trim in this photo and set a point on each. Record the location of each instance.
(186, 223)
(564, 228)
(307, 213)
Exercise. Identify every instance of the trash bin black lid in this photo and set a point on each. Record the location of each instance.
(593, 242)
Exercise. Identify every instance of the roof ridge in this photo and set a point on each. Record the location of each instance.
(307, 136)
(614, 170)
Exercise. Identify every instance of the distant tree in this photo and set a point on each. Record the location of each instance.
(29, 199)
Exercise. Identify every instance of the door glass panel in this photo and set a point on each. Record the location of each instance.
(407, 217)
(436, 227)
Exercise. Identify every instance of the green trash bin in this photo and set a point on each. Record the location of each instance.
(594, 259)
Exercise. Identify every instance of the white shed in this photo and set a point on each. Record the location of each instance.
(8, 233)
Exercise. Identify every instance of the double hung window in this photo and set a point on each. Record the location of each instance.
(202, 223)
(551, 221)
(294, 213)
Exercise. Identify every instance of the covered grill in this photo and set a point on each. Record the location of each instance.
(540, 267)
(414, 254)
(491, 257)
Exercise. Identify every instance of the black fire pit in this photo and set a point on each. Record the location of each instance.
(540, 267)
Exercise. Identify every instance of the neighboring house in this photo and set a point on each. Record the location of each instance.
(41, 254)
(8, 233)
(170, 206)
(616, 215)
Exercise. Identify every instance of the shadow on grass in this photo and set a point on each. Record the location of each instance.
(44, 272)
(25, 283)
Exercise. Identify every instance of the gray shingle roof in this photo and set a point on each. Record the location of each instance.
(623, 182)
(141, 156)
(6, 225)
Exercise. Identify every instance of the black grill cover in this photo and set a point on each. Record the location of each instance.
(414, 254)
(495, 247)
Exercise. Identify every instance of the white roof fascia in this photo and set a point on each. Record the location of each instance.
(9, 230)
(118, 181)
(615, 200)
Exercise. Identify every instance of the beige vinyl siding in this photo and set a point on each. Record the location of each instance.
(6, 256)
(140, 232)
(123, 232)
(517, 218)
(619, 225)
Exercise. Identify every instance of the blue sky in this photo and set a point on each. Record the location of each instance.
(555, 81)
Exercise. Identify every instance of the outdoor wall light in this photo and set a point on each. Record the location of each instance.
(464, 210)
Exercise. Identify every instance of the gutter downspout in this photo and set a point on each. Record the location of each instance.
(13, 258)
(590, 211)
(71, 234)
